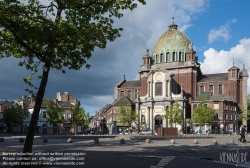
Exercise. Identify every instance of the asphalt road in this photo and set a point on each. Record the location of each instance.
(109, 153)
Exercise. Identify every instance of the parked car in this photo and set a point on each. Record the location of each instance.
(147, 132)
(125, 132)
(95, 132)
(85, 132)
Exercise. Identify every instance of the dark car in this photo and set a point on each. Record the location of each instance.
(85, 132)
(95, 132)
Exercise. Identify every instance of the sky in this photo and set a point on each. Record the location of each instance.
(218, 29)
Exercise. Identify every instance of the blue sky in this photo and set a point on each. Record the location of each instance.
(218, 29)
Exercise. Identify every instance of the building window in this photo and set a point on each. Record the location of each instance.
(64, 115)
(202, 89)
(225, 116)
(216, 116)
(161, 57)
(211, 89)
(220, 89)
(136, 93)
(44, 115)
(233, 87)
(167, 57)
(156, 57)
(194, 106)
(129, 94)
(180, 56)
(158, 88)
(173, 56)
(205, 105)
(68, 116)
(233, 73)
(122, 93)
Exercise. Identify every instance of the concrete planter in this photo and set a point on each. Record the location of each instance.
(1, 139)
(21, 140)
(214, 141)
(148, 140)
(69, 140)
(172, 141)
(195, 141)
(96, 141)
(45, 140)
(122, 141)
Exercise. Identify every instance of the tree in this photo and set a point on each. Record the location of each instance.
(59, 35)
(202, 114)
(245, 111)
(54, 113)
(78, 115)
(174, 113)
(126, 115)
(14, 115)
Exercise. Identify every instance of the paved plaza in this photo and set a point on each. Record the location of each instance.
(159, 153)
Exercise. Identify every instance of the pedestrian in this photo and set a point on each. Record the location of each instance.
(242, 134)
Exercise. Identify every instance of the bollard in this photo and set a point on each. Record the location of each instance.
(45, 140)
(148, 140)
(96, 141)
(122, 141)
(214, 141)
(172, 141)
(69, 140)
(195, 141)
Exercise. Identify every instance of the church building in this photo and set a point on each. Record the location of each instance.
(172, 73)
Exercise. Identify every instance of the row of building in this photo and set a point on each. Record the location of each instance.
(172, 73)
(65, 101)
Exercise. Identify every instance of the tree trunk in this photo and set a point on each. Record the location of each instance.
(39, 99)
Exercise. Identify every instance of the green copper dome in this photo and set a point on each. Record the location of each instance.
(171, 46)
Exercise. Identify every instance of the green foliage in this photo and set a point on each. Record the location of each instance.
(53, 112)
(127, 115)
(61, 33)
(15, 114)
(174, 113)
(245, 112)
(202, 114)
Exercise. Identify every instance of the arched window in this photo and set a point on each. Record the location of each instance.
(167, 57)
(156, 58)
(180, 58)
(158, 120)
(173, 56)
(161, 57)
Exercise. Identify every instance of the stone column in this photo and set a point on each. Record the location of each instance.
(151, 118)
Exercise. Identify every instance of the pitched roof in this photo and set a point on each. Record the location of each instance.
(214, 77)
(131, 84)
(104, 109)
(123, 101)
(205, 96)
(32, 105)
(221, 97)
(65, 104)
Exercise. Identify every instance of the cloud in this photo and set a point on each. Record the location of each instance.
(221, 61)
(94, 86)
(222, 33)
